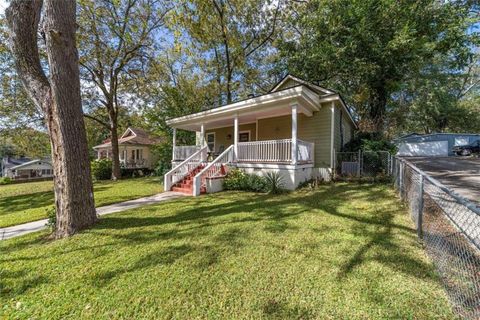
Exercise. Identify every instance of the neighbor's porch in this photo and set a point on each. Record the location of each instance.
(131, 157)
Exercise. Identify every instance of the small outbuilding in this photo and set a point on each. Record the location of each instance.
(432, 145)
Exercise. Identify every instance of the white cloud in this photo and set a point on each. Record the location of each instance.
(3, 6)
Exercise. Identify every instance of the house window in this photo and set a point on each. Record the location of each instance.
(211, 141)
(244, 136)
(133, 155)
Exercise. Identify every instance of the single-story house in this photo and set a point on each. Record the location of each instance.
(135, 149)
(294, 130)
(26, 168)
(431, 145)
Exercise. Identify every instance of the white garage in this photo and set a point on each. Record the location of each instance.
(423, 149)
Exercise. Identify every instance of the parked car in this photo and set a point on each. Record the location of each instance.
(468, 149)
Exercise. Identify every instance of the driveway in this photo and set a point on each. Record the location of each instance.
(461, 174)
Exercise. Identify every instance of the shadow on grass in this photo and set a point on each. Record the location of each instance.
(277, 213)
(26, 202)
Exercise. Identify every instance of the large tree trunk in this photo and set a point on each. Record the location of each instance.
(59, 98)
(378, 105)
(116, 174)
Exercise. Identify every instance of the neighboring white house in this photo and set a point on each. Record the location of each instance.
(25, 168)
(294, 129)
(135, 149)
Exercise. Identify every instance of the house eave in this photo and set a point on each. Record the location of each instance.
(301, 93)
(337, 97)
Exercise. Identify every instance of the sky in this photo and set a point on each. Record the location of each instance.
(3, 5)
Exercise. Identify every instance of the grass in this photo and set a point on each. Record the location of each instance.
(345, 251)
(25, 202)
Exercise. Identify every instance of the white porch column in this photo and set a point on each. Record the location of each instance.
(202, 135)
(332, 137)
(174, 142)
(235, 139)
(294, 133)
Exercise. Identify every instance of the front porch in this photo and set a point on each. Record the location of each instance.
(266, 151)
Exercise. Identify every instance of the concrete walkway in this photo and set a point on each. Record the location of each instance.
(21, 229)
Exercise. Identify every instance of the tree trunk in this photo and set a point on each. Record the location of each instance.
(378, 105)
(59, 98)
(116, 174)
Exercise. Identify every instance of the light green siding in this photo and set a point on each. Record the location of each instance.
(343, 128)
(224, 136)
(275, 128)
(316, 129)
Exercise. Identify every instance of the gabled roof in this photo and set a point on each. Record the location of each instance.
(133, 136)
(284, 83)
(290, 87)
(29, 163)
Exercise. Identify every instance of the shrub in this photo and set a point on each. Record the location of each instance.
(5, 180)
(102, 169)
(162, 168)
(274, 182)
(238, 180)
(311, 184)
(368, 141)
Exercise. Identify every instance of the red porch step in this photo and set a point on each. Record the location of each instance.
(186, 184)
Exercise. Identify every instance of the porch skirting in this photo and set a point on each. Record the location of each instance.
(292, 175)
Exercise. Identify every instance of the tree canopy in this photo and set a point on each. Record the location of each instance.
(402, 66)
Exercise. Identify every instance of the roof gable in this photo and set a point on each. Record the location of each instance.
(128, 133)
(290, 81)
(133, 136)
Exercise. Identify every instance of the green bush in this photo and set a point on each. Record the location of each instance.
(238, 180)
(5, 180)
(275, 183)
(368, 141)
(102, 169)
(162, 168)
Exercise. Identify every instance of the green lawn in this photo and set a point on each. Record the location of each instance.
(25, 202)
(347, 251)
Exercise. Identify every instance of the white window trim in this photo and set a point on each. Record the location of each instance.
(245, 131)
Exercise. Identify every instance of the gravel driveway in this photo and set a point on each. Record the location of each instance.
(461, 174)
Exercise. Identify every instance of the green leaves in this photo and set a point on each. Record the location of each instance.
(367, 49)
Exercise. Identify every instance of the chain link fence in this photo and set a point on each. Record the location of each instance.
(450, 229)
(363, 164)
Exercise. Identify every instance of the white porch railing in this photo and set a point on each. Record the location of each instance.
(213, 169)
(274, 151)
(180, 171)
(305, 151)
(183, 152)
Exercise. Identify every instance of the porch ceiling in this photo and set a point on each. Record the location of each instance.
(267, 106)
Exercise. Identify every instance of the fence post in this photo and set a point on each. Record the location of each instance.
(420, 208)
(400, 184)
(359, 170)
